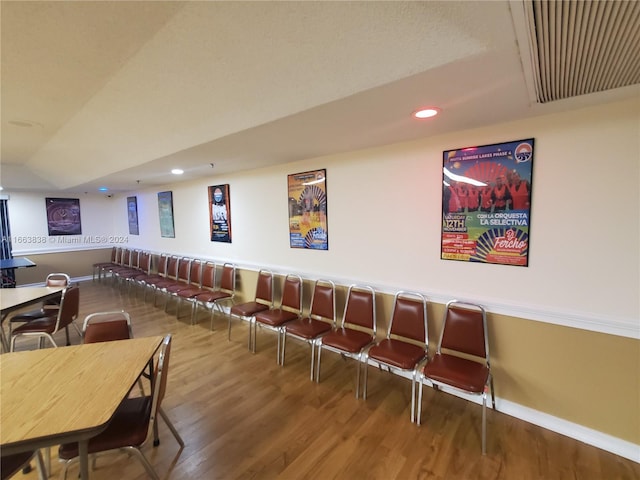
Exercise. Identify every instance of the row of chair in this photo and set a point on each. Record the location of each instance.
(199, 282)
(461, 361)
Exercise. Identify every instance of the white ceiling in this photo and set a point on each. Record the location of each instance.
(116, 92)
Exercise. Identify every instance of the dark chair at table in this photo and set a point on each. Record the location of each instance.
(133, 423)
(46, 327)
(461, 361)
(263, 300)
(405, 348)
(48, 307)
(276, 318)
(357, 331)
(320, 321)
(12, 464)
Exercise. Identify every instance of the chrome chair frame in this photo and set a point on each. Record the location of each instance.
(263, 300)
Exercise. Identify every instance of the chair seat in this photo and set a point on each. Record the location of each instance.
(177, 286)
(191, 292)
(308, 328)
(457, 372)
(10, 464)
(275, 317)
(348, 340)
(397, 353)
(45, 324)
(128, 426)
(30, 315)
(248, 309)
(208, 296)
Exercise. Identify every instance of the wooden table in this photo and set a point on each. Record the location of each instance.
(12, 299)
(67, 394)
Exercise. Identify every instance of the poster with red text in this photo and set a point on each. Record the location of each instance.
(486, 203)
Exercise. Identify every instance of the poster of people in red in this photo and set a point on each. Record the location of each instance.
(486, 203)
(308, 210)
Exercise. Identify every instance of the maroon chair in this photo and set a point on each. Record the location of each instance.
(169, 276)
(405, 348)
(147, 281)
(461, 361)
(357, 330)
(263, 300)
(207, 283)
(99, 266)
(12, 464)
(133, 423)
(46, 327)
(214, 298)
(320, 321)
(276, 319)
(193, 280)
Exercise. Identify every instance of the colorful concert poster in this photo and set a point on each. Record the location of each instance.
(308, 210)
(486, 203)
(220, 213)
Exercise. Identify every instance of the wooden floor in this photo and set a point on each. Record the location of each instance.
(243, 417)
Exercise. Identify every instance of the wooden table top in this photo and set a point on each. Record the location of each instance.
(14, 297)
(50, 393)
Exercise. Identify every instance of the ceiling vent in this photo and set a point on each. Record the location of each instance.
(582, 47)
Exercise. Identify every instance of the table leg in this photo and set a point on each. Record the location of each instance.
(83, 455)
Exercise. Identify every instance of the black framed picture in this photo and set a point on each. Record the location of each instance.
(132, 215)
(63, 216)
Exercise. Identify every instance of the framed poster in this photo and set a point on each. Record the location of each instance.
(63, 216)
(219, 213)
(165, 209)
(308, 210)
(132, 215)
(486, 203)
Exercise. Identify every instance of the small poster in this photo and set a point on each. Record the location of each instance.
(63, 216)
(165, 209)
(132, 215)
(486, 203)
(308, 210)
(219, 213)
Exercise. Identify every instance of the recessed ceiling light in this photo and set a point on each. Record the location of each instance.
(177, 171)
(426, 112)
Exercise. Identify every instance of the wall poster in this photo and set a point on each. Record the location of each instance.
(220, 213)
(165, 209)
(63, 216)
(486, 203)
(308, 210)
(132, 215)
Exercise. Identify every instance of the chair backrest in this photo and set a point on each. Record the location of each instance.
(135, 259)
(172, 267)
(464, 330)
(69, 307)
(118, 258)
(114, 254)
(106, 327)
(163, 262)
(195, 272)
(184, 267)
(160, 381)
(228, 278)
(409, 318)
(126, 258)
(323, 301)
(292, 293)
(208, 276)
(264, 287)
(360, 308)
(144, 264)
(58, 280)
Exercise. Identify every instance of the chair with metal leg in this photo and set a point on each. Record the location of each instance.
(45, 328)
(215, 298)
(461, 361)
(320, 320)
(357, 331)
(263, 300)
(276, 319)
(133, 423)
(405, 348)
